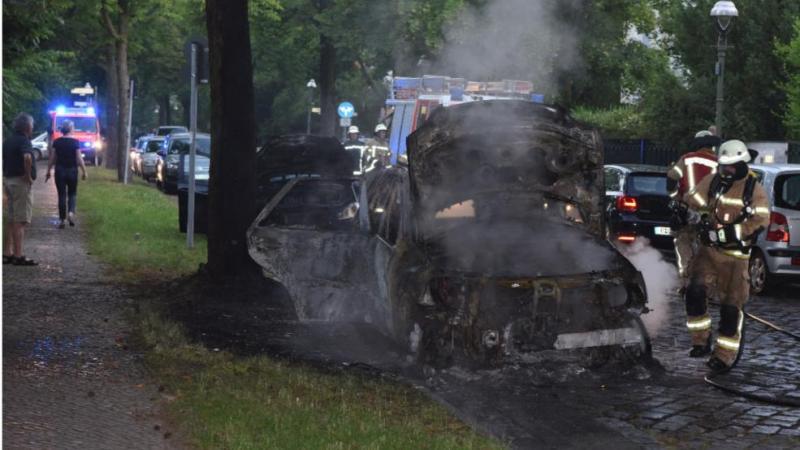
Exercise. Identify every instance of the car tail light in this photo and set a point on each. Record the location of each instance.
(778, 230)
(627, 204)
(796, 261)
(626, 237)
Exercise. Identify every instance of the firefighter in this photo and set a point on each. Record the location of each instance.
(731, 209)
(690, 170)
(378, 153)
(355, 147)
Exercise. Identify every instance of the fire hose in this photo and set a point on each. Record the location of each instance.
(710, 379)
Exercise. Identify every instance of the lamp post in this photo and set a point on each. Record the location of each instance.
(311, 85)
(723, 12)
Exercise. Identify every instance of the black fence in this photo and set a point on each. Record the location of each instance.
(640, 151)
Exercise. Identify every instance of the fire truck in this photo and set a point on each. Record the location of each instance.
(411, 101)
(84, 116)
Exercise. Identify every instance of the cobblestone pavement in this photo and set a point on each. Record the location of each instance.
(69, 380)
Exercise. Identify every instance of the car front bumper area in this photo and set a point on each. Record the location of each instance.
(493, 321)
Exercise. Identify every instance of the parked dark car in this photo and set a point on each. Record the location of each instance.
(489, 247)
(637, 205)
(173, 147)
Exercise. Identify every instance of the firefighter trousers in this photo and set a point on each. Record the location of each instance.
(713, 272)
(685, 244)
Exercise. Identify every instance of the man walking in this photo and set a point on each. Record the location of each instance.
(19, 172)
(732, 209)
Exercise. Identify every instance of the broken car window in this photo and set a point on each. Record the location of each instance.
(317, 204)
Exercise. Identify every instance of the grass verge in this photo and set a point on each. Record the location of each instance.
(219, 401)
(135, 228)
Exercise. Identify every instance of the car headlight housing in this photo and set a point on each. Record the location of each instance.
(172, 165)
(349, 212)
(98, 145)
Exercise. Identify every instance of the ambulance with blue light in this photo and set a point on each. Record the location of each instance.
(87, 129)
(411, 101)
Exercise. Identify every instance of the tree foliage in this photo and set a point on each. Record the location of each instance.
(790, 54)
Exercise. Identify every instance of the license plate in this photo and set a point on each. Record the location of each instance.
(663, 231)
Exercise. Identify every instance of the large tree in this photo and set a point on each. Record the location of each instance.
(117, 17)
(233, 178)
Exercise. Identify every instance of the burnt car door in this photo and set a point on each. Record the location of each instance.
(309, 238)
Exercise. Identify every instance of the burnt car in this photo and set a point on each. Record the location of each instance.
(489, 247)
(637, 205)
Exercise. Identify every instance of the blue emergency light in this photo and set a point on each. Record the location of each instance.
(87, 144)
(90, 111)
(61, 109)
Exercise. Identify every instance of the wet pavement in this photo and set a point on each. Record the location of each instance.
(665, 404)
(69, 378)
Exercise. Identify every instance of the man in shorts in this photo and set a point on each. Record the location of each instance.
(19, 172)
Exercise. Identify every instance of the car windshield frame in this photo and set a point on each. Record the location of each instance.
(780, 190)
(631, 187)
(203, 146)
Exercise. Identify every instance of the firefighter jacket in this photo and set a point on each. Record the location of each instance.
(377, 153)
(691, 169)
(731, 219)
(356, 149)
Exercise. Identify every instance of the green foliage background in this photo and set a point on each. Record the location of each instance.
(52, 45)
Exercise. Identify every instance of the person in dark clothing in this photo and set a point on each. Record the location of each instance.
(19, 171)
(66, 157)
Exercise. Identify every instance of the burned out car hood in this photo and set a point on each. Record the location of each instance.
(492, 146)
(290, 155)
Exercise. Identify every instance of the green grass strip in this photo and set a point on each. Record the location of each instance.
(135, 228)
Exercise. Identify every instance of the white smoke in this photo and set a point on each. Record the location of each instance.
(661, 278)
(519, 39)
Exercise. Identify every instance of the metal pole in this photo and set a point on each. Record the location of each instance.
(129, 136)
(308, 116)
(722, 45)
(192, 150)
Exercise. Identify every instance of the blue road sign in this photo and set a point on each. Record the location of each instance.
(346, 110)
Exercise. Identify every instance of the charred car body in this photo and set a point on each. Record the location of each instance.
(488, 247)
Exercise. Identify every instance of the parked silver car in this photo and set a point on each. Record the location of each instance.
(40, 146)
(776, 254)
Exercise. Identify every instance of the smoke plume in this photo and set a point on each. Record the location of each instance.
(661, 278)
(520, 39)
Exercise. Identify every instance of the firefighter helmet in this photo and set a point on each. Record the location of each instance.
(353, 130)
(732, 152)
(702, 133)
(381, 127)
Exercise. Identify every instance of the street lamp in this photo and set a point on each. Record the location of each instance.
(723, 12)
(311, 85)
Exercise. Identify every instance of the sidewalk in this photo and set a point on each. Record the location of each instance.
(69, 379)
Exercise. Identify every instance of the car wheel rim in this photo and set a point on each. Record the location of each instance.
(758, 274)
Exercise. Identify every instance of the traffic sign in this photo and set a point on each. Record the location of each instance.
(345, 122)
(346, 110)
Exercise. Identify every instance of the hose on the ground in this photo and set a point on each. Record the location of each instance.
(754, 395)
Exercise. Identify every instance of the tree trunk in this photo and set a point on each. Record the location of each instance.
(124, 91)
(112, 109)
(327, 86)
(233, 176)
(164, 111)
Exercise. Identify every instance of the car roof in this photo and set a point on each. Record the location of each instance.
(186, 135)
(628, 168)
(776, 168)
